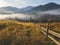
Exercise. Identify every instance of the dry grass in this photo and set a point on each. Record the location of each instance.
(54, 26)
(21, 33)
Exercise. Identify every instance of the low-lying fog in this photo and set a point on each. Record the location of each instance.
(27, 17)
(13, 16)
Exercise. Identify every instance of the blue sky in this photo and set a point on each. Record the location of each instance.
(24, 3)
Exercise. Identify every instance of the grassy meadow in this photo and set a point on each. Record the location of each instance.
(13, 32)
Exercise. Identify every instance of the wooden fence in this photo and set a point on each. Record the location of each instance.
(55, 34)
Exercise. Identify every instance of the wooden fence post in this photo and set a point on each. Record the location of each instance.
(47, 32)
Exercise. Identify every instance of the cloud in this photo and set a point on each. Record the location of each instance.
(21, 3)
(24, 3)
(2, 3)
(15, 3)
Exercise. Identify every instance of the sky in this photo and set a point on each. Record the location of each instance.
(25, 3)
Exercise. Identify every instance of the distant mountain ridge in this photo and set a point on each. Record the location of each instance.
(25, 9)
(10, 9)
(46, 7)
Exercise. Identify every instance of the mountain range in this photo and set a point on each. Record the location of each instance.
(49, 6)
(10, 9)
(46, 7)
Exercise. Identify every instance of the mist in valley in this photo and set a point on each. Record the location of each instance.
(40, 15)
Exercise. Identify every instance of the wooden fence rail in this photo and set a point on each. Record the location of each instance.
(43, 30)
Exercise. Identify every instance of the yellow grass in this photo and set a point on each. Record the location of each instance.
(21, 33)
(54, 26)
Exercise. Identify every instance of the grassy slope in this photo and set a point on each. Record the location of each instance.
(19, 33)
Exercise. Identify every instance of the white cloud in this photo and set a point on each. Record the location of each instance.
(24, 3)
(2, 3)
(14, 3)
(21, 3)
